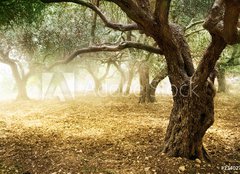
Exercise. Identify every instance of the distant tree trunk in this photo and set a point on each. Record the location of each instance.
(144, 83)
(98, 85)
(222, 86)
(22, 91)
(130, 79)
(123, 78)
(131, 65)
(153, 86)
(98, 81)
(21, 82)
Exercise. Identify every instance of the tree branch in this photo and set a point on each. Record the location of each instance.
(106, 72)
(193, 32)
(193, 24)
(144, 20)
(223, 20)
(121, 46)
(207, 64)
(115, 26)
(231, 15)
(162, 11)
(5, 59)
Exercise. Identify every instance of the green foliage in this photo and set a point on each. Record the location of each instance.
(230, 59)
(20, 11)
(185, 10)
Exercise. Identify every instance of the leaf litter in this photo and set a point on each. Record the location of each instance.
(106, 136)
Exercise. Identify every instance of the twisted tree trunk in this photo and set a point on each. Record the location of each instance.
(193, 108)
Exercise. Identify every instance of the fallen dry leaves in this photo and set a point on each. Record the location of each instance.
(107, 135)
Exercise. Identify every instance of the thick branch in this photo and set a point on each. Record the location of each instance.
(94, 22)
(5, 59)
(115, 26)
(13, 65)
(232, 10)
(144, 20)
(162, 11)
(121, 46)
(209, 60)
(145, 5)
(223, 20)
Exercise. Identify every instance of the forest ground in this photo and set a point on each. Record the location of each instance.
(108, 135)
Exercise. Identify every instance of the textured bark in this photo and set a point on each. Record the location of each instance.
(189, 120)
(193, 108)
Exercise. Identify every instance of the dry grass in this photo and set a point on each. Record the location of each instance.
(106, 135)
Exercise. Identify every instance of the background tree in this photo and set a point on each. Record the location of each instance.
(229, 64)
(17, 19)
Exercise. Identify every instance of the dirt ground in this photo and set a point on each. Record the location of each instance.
(113, 135)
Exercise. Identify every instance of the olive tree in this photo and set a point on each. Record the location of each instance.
(193, 93)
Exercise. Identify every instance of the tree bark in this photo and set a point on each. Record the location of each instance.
(189, 120)
(193, 107)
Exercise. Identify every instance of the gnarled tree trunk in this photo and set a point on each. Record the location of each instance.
(191, 116)
(193, 108)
